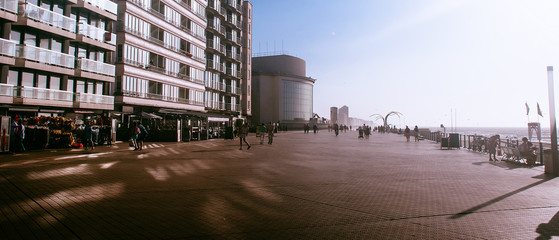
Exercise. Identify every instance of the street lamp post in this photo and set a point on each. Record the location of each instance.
(552, 121)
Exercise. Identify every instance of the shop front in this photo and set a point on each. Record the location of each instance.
(164, 125)
(40, 128)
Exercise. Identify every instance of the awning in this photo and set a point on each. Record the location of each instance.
(218, 119)
(150, 115)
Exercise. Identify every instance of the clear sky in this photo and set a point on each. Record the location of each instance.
(481, 59)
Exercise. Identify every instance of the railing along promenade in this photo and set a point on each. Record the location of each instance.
(478, 143)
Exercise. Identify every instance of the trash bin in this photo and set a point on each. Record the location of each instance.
(453, 140)
(444, 142)
(548, 160)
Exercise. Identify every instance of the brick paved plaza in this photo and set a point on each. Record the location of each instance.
(304, 186)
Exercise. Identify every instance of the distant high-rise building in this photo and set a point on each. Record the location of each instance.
(333, 115)
(343, 115)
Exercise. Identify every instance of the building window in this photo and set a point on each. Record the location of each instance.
(27, 79)
(42, 81)
(13, 77)
(54, 83)
(297, 100)
(80, 86)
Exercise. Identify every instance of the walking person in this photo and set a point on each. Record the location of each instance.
(243, 132)
(407, 133)
(416, 133)
(88, 134)
(360, 130)
(134, 131)
(492, 146)
(262, 133)
(270, 130)
(20, 136)
(336, 129)
(143, 134)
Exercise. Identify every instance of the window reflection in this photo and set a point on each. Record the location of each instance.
(297, 100)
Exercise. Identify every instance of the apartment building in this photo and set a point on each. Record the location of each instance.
(175, 65)
(224, 53)
(56, 59)
(160, 67)
(246, 54)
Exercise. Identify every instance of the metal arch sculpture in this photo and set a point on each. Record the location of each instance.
(385, 118)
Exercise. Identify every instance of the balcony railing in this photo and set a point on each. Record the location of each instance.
(7, 48)
(94, 98)
(44, 56)
(233, 56)
(233, 73)
(236, 40)
(6, 89)
(235, 23)
(95, 33)
(232, 107)
(233, 3)
(96, 67)
(43, 94)
(9, 5)
(215, 105)
(160, 97)
(213, 65)
(49, 17)
(104, 4)
(233, 90)
(156, 41)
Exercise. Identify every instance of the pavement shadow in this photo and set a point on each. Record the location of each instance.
(505, 164)
(550, 229)
(497, 199)
(211, 150)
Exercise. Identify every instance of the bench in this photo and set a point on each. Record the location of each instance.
(513, 154)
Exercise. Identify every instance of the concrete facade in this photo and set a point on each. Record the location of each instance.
(343, 115)
(281, 91)
(333, 115)
(55, 61)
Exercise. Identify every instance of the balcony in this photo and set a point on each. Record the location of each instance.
(94, 101)
(87, 68)
(234, 23)
(236, 56)
(7, 52)
(236, 40)
(6, 90)
(233, 107)
(9, 5)
(216, 105)
(105, 5)
(173, 102)
(217, 86)
(49, 18)
(45, 56)
(233, 73)
(96, 34)
(234, 90)
(6, 93)
(7, 48)
(233, 4)
(157, 41)
(213, 65)
(42, 96)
